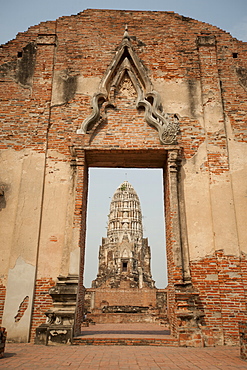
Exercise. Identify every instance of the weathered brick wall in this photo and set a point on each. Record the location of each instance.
(125, 297)
(121, 297)
(42, 303)
(2, 299)
(176, 56)
(48, 77)
(222, 290)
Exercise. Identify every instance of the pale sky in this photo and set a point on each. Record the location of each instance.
(229, 15)
(17, 15)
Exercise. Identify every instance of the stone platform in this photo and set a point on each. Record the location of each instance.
(131, 334)
(125, 318)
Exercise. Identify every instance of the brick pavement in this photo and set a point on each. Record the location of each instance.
(30, 356)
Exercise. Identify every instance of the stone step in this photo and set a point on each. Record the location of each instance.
(168, 342)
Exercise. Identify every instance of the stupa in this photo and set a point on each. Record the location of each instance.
(124, 283)
(124, 254)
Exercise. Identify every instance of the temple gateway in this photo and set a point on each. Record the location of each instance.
(85, 91)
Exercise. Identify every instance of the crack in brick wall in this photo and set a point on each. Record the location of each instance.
(22, 308)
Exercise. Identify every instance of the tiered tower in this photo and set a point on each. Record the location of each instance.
(124, 254)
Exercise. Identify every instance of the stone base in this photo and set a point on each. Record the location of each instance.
(41, 334)
(189, 317)
(3, 335)
(119, 318)
(190, 338)
(243, 340)
(54, 334)
(166, 342)
(59, 326)
(60, 335)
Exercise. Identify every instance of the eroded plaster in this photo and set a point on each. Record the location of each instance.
(22, 173)
(74, 261)
(65, 86)
(58, 238)
(20, 288)
(198, 205)
(181, 96)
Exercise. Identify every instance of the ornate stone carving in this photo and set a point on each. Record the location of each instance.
(126, 62)
(59, 326)
(172, 160)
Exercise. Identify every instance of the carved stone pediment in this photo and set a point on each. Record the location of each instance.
(126, 63)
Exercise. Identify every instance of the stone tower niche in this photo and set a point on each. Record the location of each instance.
(124, 255)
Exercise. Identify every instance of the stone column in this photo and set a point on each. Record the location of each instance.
(80, 220)
(173, 246)
(184, 316)
(174, 215)
(140, 277)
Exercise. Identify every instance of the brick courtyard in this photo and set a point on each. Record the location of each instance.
(112, 357)
(30, 356)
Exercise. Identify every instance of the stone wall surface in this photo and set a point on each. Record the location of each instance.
(49, 75)
(132, 297)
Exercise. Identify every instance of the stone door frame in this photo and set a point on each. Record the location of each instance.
(168, 159)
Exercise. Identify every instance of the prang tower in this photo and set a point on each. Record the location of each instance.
(124, 255)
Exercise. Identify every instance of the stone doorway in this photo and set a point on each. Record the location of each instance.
(166, 159)
(132, 282)
(182, 300)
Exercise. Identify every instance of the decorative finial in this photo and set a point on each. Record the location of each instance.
(126, 34)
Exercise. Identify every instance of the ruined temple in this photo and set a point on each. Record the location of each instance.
(124, 283)
(84, 91)
(124, 254)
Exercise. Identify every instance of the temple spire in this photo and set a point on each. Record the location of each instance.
(125, 216)
(124, 255)
(126, 33)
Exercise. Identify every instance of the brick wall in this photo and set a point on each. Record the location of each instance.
(167, 51)
(42, 303)
(222, 295)
(2, 298)
(48, 76)
(123, 297)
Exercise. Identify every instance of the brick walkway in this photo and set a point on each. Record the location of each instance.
(107, 357)
(30, 356)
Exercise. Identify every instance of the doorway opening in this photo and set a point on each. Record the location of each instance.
(148, 184)
(125, 266)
